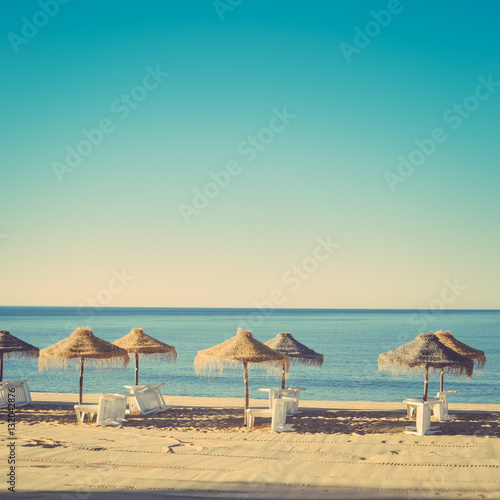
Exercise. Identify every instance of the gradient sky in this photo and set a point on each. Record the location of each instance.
(358, 101)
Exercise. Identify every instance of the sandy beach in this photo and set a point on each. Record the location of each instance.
(200, 449)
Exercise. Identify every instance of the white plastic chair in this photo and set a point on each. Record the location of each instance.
(145, 399)
(273, 394)
(411, 408)
(89, 410)
(156, 388)
(277, 414)
(109, 411)
(4, 393)
(251, 413)
(278, 419)
(422, 417)
(294, 393)
(441, 411)
(291, 392)
(21, 392)
(438, 405)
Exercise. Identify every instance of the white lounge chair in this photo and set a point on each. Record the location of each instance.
(277, 414)
(441, 411)
(145, 399)
(273, 394)
(157, 390)
(438, 405)
(4, 393)
(294, 393)
(18, 389)
(290, 392)
(109, 411)
(411, 408)
(422, 417)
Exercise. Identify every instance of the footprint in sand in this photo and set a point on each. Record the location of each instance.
(181, 447)
(31, 443)
(47, 443)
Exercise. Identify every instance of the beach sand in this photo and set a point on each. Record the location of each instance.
(200, 449)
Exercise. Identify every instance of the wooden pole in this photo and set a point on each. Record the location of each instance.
(1, 366)
(426, 384)
(441, 385)
(283, 378)
(136, 368)
(81, 379)
(245, 378)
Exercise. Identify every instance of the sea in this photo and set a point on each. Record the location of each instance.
(350, 341)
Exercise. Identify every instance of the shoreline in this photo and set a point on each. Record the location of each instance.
(213, 402)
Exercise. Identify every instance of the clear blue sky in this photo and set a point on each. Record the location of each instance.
(309, 105)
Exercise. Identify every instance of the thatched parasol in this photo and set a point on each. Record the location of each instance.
(427, 352)
(285, 343)
(478, 357)
(242, 348)
(139, 343)
(81, 344)
(12, 346)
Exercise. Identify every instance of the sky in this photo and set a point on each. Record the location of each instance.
(228, 153)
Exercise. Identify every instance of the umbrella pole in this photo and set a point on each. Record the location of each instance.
(283, 378)
(1, 366)
(426, 384)
(81, 379)
(245, 378)
(136, 368)
(441, 385)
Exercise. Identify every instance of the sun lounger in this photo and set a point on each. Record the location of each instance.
(18, 389)
(161, 401)
(291, 392)
(82, 410)
(273, 394)
(411, 408)
(438, 405)
(422, 417)
(4, 392)
(109, 411)
(441, 411)
(277, 414)
(145, 399)
(294, 393)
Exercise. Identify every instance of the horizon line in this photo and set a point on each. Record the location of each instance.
(262, 308)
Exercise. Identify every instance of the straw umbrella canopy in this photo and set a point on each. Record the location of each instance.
(12, 346)
(82, 344)
(478, 357)
(285, 343)
(137, 342)
(428, 353)
(242, 348)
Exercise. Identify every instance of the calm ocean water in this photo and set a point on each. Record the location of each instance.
(350, 340)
